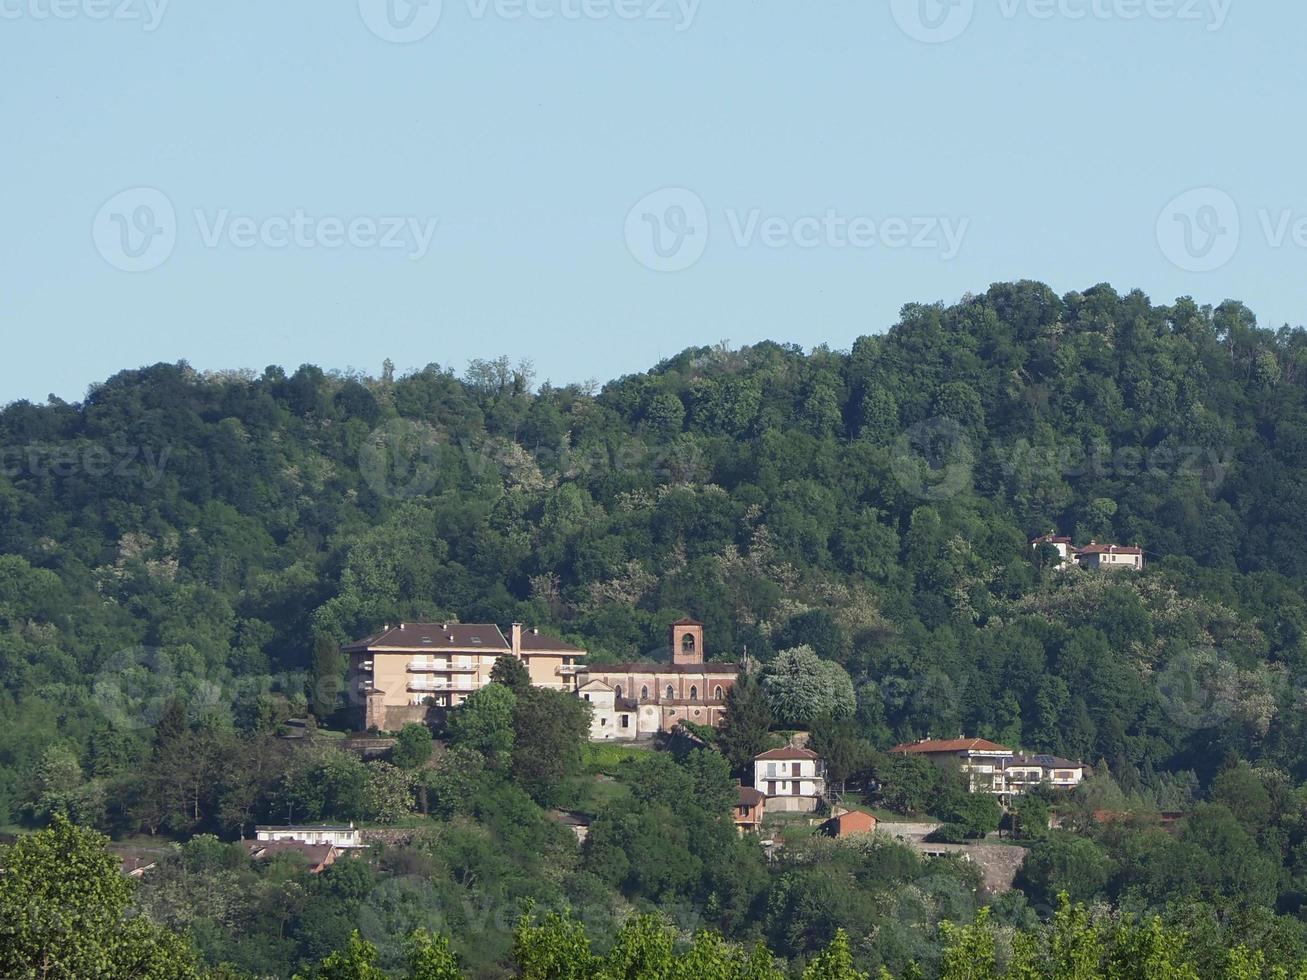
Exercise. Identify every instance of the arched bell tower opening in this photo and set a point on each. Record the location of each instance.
(687, 642)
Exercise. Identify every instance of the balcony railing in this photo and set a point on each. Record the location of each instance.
(440, 667)
(436, 685)
(568, 670)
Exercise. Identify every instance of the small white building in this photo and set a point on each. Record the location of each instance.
(339, 835)
(791, 779)
(614, 718)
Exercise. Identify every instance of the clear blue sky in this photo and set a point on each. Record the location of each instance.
(1050, 144)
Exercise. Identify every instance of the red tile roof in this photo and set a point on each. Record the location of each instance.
(750, 796)
(929, 746)
(1109, 549)
(687, 621)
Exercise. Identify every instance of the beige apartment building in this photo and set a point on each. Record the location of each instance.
(398, 673)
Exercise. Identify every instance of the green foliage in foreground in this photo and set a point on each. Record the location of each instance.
(65, 913)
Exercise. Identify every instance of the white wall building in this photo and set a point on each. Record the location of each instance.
(339, 835)
(791, 779)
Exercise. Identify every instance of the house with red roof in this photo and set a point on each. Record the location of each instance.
(1109, 557)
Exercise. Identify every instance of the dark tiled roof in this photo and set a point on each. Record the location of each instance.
(687, 621)
(536, 642)
(1109, 549)
(436, 636)
(750, 796)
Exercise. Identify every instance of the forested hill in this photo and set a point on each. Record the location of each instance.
(876, 504)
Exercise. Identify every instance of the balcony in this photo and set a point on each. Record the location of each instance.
(440, 667)
(568, 670)
(435, 685)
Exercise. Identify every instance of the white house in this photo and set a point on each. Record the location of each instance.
(791, 779)
(993, 768)
(615, 718)
(339, 835)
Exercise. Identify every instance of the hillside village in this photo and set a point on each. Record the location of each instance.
(414, 672)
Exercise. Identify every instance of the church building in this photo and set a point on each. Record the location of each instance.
(637, 700)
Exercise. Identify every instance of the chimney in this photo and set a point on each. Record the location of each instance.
(517, 639)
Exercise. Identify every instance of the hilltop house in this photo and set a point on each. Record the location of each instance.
(993, 768)
(1093, 555)
(638, 700)
(792, 779)
(400, 670)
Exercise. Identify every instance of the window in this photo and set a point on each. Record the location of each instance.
(626, 721)
(694, 693)
(670, 693)
(794, 788)
(644, 693)
(617, 691)
(687, 643)
(795, 769)
(717, 693)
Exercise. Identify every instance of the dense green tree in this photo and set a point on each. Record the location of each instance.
(412, 747)
(64, 903)
(549, 729)
(746, 729)
(512, 673)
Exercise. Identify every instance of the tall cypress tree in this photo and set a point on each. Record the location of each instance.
(746, 730)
